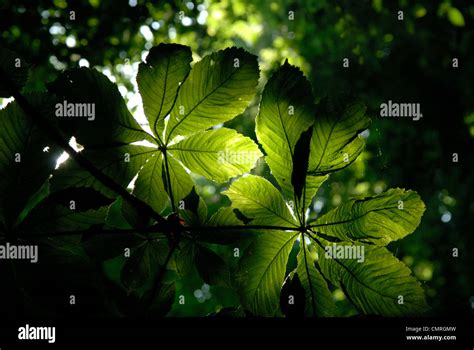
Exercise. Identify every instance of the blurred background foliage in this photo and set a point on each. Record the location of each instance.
(390, 58)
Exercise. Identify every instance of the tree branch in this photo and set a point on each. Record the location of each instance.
(241, 227)
(97, 232)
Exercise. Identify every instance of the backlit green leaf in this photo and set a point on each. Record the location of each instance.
(218, 88)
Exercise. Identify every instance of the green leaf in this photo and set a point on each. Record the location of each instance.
(260, 201)
(219, 87)
(455, 17)
(286, 111)
(149, 186)
(195, 209)
(181, 182)
(142, 265)
(120, 163)
(162, 303)
(262, 272)
(24, 151)
(185, 263)
(300, 163)
(305, 186)
(217, 154)
(49, 218)
(159, 78)
(112, 124)
(16, 70)
(335, 143)
(379, 220)
(115, 217)
(211, 267)
(380, 285)
(312, 185)
(133, 216)
(223, 217)
(319, 301)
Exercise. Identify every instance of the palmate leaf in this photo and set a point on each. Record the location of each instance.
(380, 285)
(158, 79)
(335, 143)
(378, 220)
(218, 88)
(301, 152)
(24, 151)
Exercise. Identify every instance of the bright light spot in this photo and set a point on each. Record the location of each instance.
(132, 3)
(172, 33)
(318, 205)
(131, 185)
(70, 41)
(155, 25)
(209, 189)
(57, 29)
(145, 143)
(83, 62)
(218, 15)
(446, 217)
(336, 199)
(338, 294)
(108, 74)
(203, 294)
(62, 158)
(187, 21)
(190, 5)
(146, 32)
(202, 17)
(379, 187)
(6, 101)
(365, 134)
(123, 90)
(58, 65)
(144, 55)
